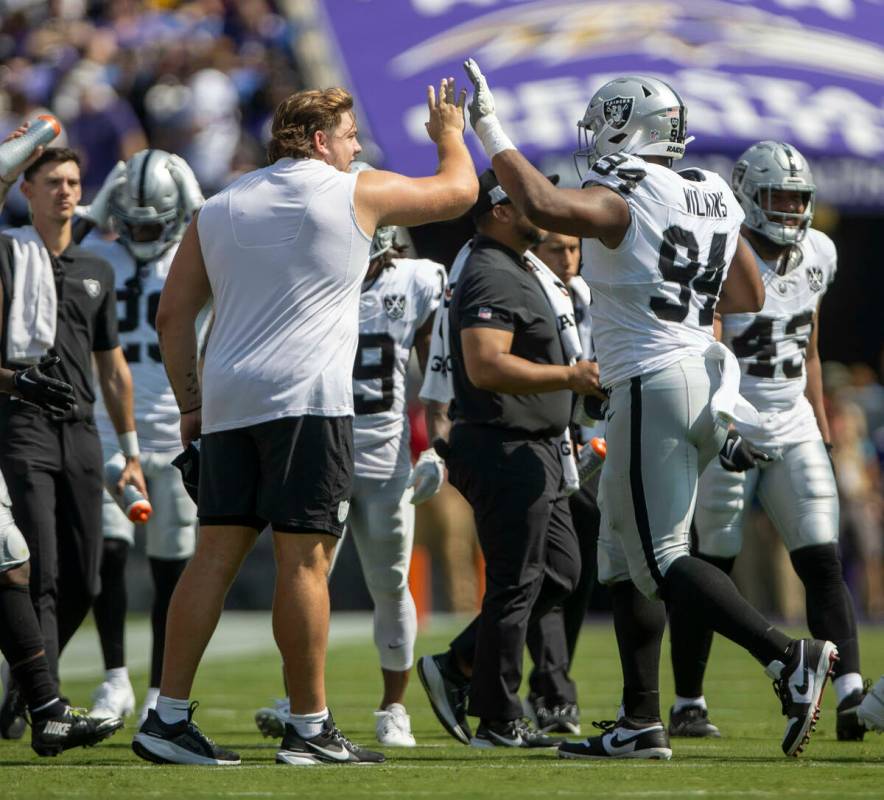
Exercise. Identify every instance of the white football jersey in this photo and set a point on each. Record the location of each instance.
(771, 345)
(391, 309)
(653, 297)
(138, 296)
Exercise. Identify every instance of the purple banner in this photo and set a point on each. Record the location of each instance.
(810, 72)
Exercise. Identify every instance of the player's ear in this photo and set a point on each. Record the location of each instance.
(320, 143)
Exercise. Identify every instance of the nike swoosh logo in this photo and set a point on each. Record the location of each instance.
(396, 645)
(803, 690)
(619, 743)
(517, 742)
(337, 755)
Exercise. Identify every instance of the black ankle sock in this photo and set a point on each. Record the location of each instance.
(22, 645)
(110, 606)
(166, 573)
(55, 709)
(639, 624)
(707, 598)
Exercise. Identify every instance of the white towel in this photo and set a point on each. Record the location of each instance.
(30, 330)
(437, 383)
(727, 404)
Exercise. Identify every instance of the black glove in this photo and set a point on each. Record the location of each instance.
(188, 463)
(40, 390)
(739, 454)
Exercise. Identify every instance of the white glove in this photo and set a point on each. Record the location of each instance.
(191, 195)
(482, 113)
(98, 211)
(427, 476)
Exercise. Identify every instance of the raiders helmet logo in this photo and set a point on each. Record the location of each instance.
(92, 287)
(617, 111)
(815, 279)
(394, 305)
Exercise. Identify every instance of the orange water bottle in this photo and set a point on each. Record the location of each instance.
(132, 503)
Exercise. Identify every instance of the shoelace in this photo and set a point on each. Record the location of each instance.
(781, 690)
(606, 725)
(193, 728)
(339, 737)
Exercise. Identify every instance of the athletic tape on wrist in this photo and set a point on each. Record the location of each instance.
(129, 443)
(490, 133)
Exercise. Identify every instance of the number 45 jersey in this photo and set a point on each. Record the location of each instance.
(391, 310)
(771, 345)
(138, 296)
(654, 295)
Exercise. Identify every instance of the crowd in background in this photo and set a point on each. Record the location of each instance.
(201, 78)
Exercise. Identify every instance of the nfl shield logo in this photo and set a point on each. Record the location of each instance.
(394, 305)
(92, 287)
(617, 111)
(815, 278)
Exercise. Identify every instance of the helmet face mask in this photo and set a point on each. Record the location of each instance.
(635, 114)
(147, 210)
(764, 178)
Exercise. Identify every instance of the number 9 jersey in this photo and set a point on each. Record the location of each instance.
(391, 310)
(771, 345)
(654, 295)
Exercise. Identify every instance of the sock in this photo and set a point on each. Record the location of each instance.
(847, 684)
(708, 598)
(638, 624)
(53, 708)
(109, 607)
(150, 697)
(119, 676)
(688, 702)
(172, 710)
(165, 573)
(309, 725)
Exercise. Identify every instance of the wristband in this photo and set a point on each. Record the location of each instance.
(129, 444)
(490, 133)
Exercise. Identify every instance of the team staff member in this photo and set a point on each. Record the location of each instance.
(512, 399)
(52, 462)
(283, 251)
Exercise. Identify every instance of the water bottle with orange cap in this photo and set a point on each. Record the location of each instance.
(133, 504)
(591, 459)
(16, 152)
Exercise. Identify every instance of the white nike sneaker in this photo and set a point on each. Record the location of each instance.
(871, 709)
(113, 700)
(150, 703)
(393, 726)
(271, 721)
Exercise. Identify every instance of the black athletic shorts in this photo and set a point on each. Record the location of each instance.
(294, 474)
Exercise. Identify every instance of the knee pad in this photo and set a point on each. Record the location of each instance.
(818, 565)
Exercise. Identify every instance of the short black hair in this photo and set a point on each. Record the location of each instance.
(53, 155)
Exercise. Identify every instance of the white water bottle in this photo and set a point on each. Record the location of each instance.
(133, 504)
(591, 459)
(15, 152)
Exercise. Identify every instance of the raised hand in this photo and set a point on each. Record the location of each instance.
(188, 186)
(446, 112)
(98, 211)
(482, 104)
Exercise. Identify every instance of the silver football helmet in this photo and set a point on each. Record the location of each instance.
(385, 236)
(767, 167)
(634, 114)
(149, 211)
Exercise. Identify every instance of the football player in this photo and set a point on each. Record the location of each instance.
(399, 298)
(148, 201)
(659, 248)
(781, 377)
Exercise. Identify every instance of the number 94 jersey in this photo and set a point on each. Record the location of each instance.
(654, 296)
(391, 310)
(138, 296)
(771, 345)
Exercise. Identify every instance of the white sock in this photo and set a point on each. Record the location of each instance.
(118, 676)
(309, 725)
(150, 697)
(685, 702)
(847, 684)
(172, 710)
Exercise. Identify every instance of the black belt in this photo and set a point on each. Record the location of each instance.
(502, 434)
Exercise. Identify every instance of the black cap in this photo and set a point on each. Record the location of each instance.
(491, 193)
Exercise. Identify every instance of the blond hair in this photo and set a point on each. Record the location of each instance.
(300, 116)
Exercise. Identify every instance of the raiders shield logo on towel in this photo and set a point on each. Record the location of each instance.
(617, 111)
(92, 287)
(394, 305)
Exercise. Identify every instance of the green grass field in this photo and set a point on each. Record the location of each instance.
(746, 762)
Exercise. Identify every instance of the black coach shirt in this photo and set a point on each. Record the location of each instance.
(87, 316)
(495, 290)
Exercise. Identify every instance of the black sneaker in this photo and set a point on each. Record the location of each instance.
(447, 691)
(621, 739)
(563, 718)
(181, 743)
(800, 687)
(12, 711)
(691, 721)
(73, 728)
(512, 733)
(329, 746)
(848, 728)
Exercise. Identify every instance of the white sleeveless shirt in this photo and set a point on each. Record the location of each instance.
(285, 258)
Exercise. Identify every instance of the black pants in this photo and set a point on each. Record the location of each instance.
(54, 474)
(532, 560)
(552, 639)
